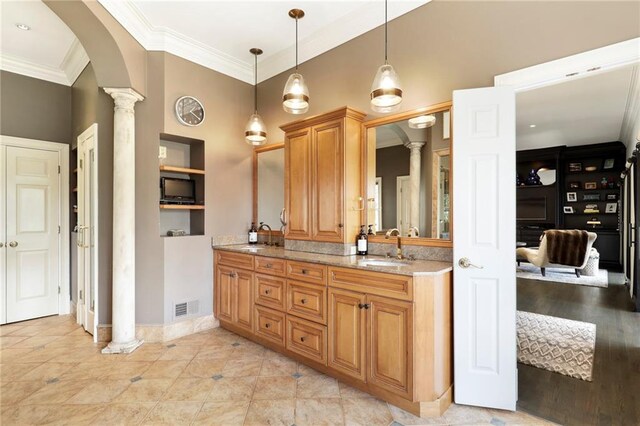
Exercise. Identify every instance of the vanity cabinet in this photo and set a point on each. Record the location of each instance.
(323, 191)
(383, 333)
(235, 302)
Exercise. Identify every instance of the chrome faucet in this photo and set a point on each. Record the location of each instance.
(262, 226)
(399, 246)
(414, 232)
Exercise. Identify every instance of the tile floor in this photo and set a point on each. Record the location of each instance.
(52, 373)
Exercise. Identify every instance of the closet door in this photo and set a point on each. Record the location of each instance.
(3, 239)
(635, 194)
(32, 227)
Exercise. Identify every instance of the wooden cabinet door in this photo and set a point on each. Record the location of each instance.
(390, 340)
(327, 181)
(298, 185)
(244, 299)
(347, 333)
(224, 289)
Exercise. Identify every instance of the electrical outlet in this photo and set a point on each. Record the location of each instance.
(162, 154)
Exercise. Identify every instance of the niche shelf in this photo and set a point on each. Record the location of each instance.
(185, 156)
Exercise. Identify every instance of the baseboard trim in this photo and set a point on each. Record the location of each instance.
(166, 332)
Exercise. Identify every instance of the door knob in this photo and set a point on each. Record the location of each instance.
(13, 244)
(1, 245)
(465, 263)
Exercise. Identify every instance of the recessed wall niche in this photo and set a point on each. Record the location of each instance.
(184, 160)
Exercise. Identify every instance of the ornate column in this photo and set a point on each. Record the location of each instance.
(415, 161)
(123, 329)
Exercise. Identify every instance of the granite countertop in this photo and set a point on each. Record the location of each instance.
(406, 267)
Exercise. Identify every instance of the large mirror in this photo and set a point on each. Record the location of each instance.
(408, 174)
(268, 185)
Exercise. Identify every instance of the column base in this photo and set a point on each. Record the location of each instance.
(122, 348)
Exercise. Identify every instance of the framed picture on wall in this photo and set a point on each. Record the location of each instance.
(568, 209)
(575, 185)
(611, 208)
(591, 197)
(572, 197)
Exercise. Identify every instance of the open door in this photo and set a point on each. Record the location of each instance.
(485, 372)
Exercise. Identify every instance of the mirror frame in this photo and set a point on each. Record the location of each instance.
(256, 151)
(366, 126)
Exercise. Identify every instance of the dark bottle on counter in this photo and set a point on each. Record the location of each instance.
(362, 242)
(370, 231)
(253, 234)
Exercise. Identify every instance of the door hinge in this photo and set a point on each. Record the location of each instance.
(81, 163)
(81, 295)
(58, 229)
(58, 289)
(58, 168)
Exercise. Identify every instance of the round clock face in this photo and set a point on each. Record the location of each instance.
(189, 111)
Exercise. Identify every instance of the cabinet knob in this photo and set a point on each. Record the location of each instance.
(340, 225)
(267, 325)
(1, 245)
(13, 244)
(268, 265)
(303, 301)
(366, 306)
(305, 272)
(360, 305)
(302, 339)
(267, 291)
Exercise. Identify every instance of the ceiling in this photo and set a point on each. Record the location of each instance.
(48, 51)
(583, 111)
(219, 34)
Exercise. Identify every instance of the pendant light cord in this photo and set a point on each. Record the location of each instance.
(255, 86)
(385, 31)
(296, 43)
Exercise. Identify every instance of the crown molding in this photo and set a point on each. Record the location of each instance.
(74, 61)
(21, 66)
(167, 40)
(352, 25)
(72, 65)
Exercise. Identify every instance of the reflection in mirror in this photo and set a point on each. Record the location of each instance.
(408, 176)
(269, 184)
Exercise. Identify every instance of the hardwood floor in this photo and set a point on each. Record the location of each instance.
(613, 398)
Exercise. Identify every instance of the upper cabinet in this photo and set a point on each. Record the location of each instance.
(323, 186)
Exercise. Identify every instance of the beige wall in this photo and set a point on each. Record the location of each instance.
(448, 45)
(34, 109)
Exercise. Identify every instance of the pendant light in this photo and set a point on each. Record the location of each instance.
(386, 93)
(295, 97)
(255, 132)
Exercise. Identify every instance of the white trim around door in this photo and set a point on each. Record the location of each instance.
(64, 300)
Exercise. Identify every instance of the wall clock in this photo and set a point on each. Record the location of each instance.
(189, 111)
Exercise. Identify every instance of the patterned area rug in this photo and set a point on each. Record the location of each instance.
(562, 275)
(556, 344)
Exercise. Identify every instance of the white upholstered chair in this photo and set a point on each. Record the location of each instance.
(538, 256)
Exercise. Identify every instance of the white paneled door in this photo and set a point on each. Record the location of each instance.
(32, 227)
(484, 248)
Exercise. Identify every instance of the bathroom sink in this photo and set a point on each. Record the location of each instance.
(377, 262)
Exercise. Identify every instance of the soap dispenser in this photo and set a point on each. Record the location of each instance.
(362, 242)
(253, 234)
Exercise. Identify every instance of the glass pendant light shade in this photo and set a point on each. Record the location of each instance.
(295, 96)
(386, 92)
(255, 132)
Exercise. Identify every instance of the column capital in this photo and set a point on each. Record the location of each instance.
(124, 97)
(414, 145)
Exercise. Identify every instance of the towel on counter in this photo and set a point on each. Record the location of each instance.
(566, 247)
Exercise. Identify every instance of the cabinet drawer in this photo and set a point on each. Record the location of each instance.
(237, 260)
(270, 291)
(271, 266)
(309, 272)
(308, 301)
(378, 283)
(307, 339)
(270, 324)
